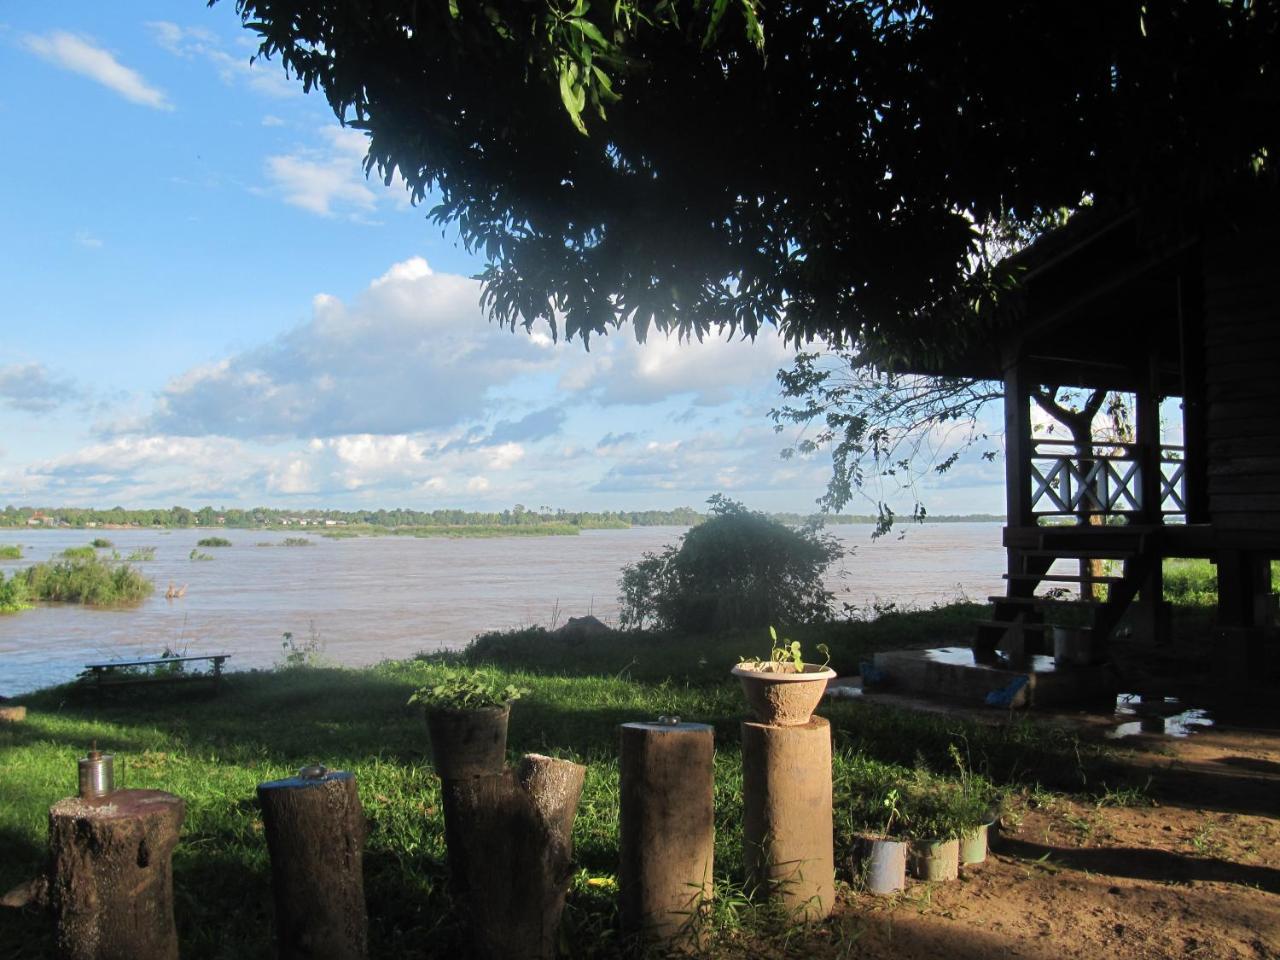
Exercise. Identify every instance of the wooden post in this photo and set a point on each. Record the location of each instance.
(510, 839)
(787, 832)
(666, 828)
(1017, 444)
(315, 831)
(111, 878)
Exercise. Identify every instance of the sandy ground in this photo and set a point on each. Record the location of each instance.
(1193, 872)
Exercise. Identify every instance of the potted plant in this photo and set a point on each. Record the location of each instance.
(977, 807)
(933, 827)
(784, 690)
(467, 717)
(879, 857)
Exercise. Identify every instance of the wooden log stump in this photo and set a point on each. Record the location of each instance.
(510, 839)
(111, 876)
(788, 839)
(666, 828)
(316, 831)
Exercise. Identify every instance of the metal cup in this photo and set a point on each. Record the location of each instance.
(97, 778)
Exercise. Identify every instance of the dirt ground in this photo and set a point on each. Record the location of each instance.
(1191, 870)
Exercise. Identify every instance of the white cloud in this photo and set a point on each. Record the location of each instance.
(411, 353)
(711, 372)
(192, 43)
(81, 55)
(328, 178)
(87, 239)
(29, 387)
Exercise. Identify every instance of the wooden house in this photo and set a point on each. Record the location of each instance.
(1157, 306)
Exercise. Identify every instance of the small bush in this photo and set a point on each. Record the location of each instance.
(142, 553)
(10, 551)
(295, 542)
(197, 555)
(213, 542)
(14, 595)
(86, 579)
(79, 553)
(738, 569)
(101, 543)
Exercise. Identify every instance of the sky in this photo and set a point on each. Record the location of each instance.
(203, 300)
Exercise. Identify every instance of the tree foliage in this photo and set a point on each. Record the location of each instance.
(880, 427)
(738, 569)
(830, 167)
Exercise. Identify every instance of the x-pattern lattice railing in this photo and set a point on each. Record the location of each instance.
(1105, 480)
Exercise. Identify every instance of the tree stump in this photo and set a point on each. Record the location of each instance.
(316, 831)
(666, 827)
(510, 839)
(788, 839)
(111, 877)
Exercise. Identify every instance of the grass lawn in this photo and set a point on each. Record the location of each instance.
(266, 725)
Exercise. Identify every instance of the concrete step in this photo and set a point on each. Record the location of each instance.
(953, 673)
(1048, 602)
(1059, 578)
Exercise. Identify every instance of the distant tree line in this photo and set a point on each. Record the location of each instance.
(177, 516)
(518, 515)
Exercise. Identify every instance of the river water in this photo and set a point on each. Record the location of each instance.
(373, 598)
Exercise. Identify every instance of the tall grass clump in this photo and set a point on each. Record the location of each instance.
(142, 553)
(10, 551)
(213, 542)
(101, 543)
(86, 579)
(13, 594)
(79, 553)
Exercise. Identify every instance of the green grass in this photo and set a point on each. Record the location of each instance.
(86, 578)
(266, 725)
(10, 551)
(1194, 582)
(141, 554)
(213, 542)
(101, 543)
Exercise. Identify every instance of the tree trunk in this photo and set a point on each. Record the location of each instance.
(315, 832)
(510, 839)
(111, 879)
(666, 827)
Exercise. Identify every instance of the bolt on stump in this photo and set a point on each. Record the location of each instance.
(788, 844)
(111, 876)
(510, 839)
(316, 830)
(666, 828)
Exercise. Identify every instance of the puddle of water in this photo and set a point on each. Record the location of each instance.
(963, 656)
(1163, 716)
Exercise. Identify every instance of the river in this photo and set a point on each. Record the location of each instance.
(371, 598)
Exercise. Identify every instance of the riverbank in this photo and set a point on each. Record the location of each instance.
(1084, 816)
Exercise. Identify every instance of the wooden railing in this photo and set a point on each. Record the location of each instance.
(1105, 481)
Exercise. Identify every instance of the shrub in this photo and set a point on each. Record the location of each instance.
(79, 553)
(213, 542)
(86, 579)
(13, 594)
(142, 553)
(101, 543)
(10, 551)
(738, 569)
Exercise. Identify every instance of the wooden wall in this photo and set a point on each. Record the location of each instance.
(1242, 379)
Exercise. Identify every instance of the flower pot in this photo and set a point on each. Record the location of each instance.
(973, 845)
(468, 743)
(1073, 646)
(934, 859)
(782, 695)
(880, 864)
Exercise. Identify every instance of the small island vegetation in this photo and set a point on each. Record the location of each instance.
(213, 542)
(10, 551)
(86, 578)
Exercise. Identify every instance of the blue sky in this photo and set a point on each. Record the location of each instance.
(205, 301)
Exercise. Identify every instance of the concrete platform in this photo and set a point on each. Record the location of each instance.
(952, 672)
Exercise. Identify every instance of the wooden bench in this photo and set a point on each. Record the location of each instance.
(120, 672)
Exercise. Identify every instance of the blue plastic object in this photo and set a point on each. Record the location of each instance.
(1004, 697)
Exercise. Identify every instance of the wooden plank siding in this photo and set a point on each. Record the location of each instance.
(1242, 381)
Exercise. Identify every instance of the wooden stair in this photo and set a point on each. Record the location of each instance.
(1021, 622)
